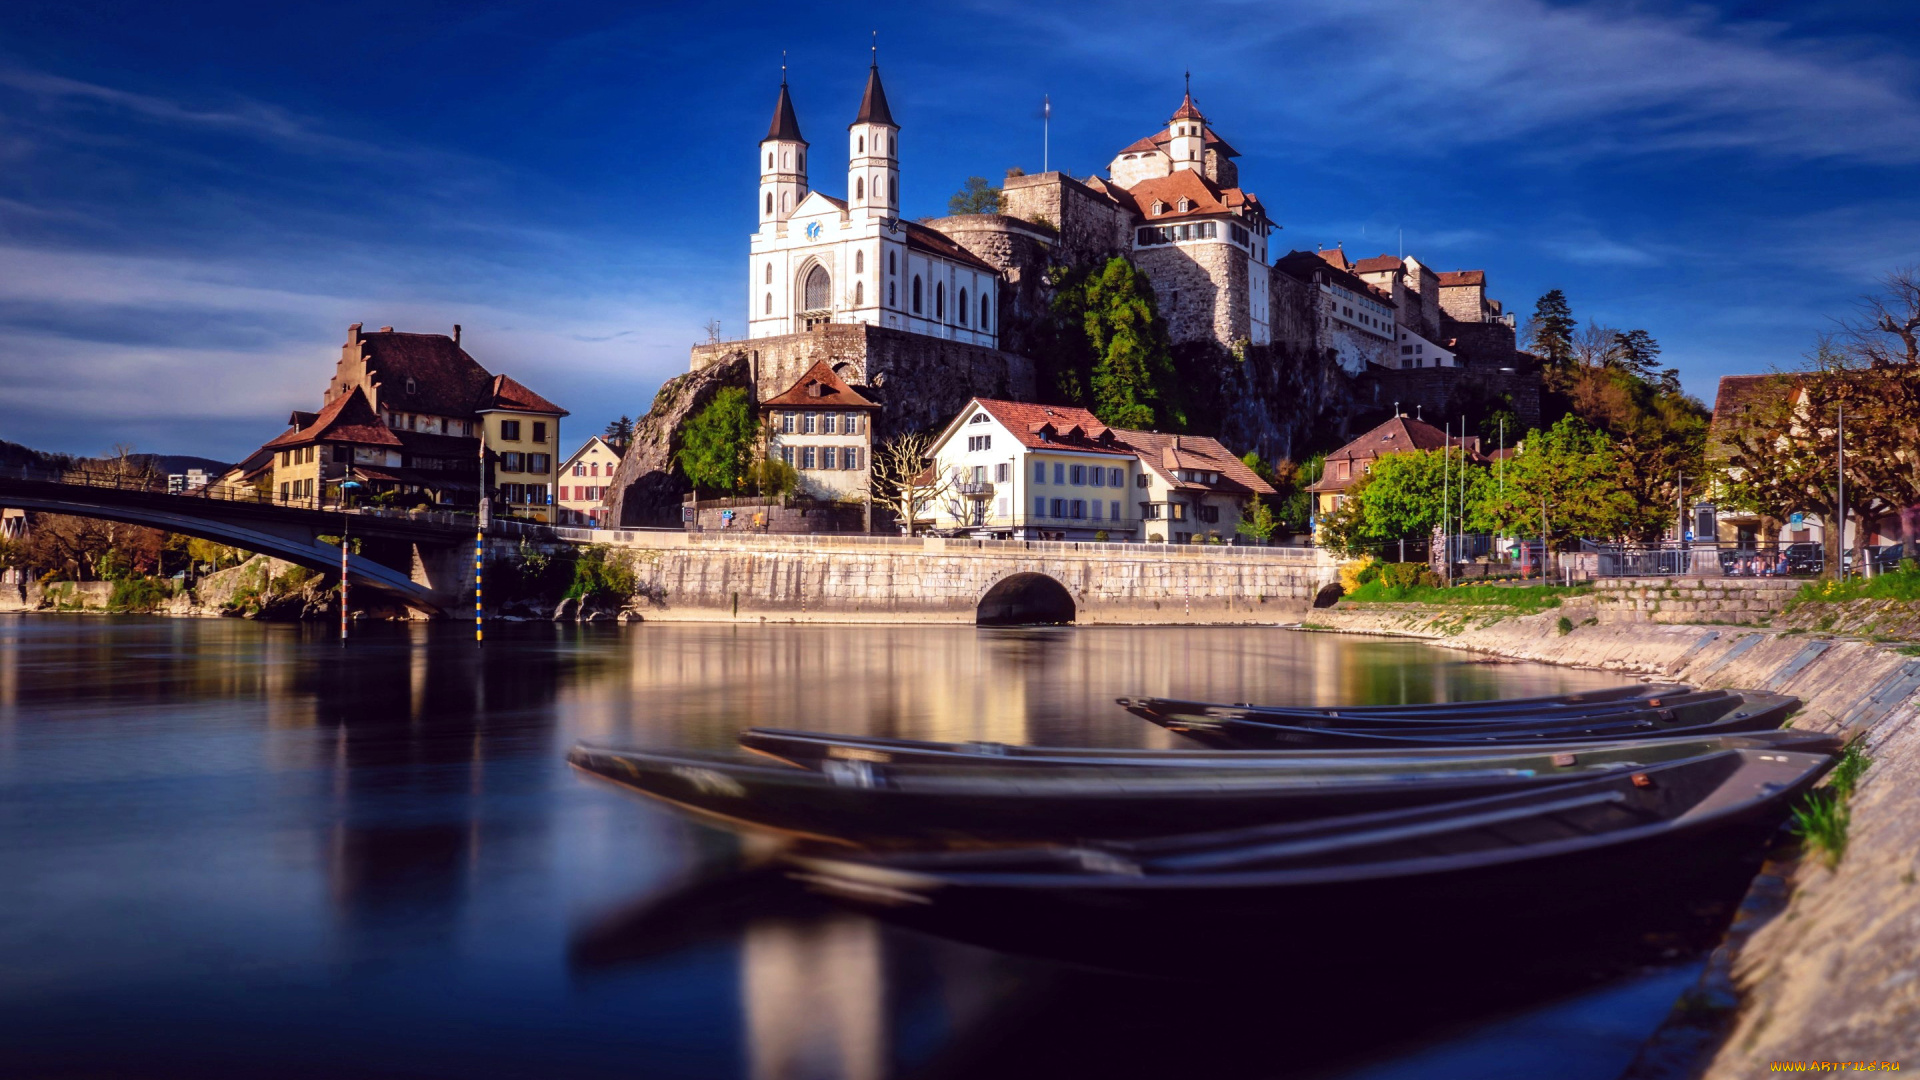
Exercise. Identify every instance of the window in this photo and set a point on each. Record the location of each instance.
(1077, 509)
(892, 299)
(961, 307)
(859, 262)
(1141, 480)
(1039, 472)
(510, 430)
(810, 423)
(939, 300)
(769, 202)
(1097, 477)
(769, 160)
(539, 431)
(1113, 510)
(1077, 475)
(768, 276)
(1096, 509)
(979, 418)
(1001, 472)
(891, 193)
(979, 442)
(859, 293)
(819, 289)
(827, 423)
(1059, 474)
(803, 161)
(1116, 478)
(285, 487)
(512, 461)
(985, 323)
(786, 454)
(1058, 508)
(859, 188)
(768, 306)
(916, 294)
(860, 144)
(342, 452)
(979, 474)
(851, 456)
(1177, 511)
(806, 457)
(1346, 470)
(1039, 503)
(826, 457)
(893, 266)
(539, 463)
(1150, 511)
(579, 469)
(786, 423)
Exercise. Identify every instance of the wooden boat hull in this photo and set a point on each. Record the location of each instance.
(1672, 709)
(1506, 908)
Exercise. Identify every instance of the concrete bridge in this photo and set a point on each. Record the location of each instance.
(424, 561)
(705, 577)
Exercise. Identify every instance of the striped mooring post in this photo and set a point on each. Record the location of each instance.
(479, 620)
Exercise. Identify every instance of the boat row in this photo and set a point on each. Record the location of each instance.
(1287, 826)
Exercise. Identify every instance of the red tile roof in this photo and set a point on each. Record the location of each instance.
(1186, 111)
(1206, 197)
(348, 418)
(938, 243)
(1209, 140)
(1336, 258)
(1054, 427)
(508, 395)
(1303, 265)
(833, 392)
(446, 381)
(1463, 277)
(1165, 453)
(1398, 435)
(1378, 264)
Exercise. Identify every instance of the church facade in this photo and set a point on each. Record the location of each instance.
(816, 260)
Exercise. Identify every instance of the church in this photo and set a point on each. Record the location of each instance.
(817, 260)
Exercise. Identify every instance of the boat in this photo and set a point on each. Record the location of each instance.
(1670, 708)
(1737, 714)
(1496, 882)
(876, 804)
(811, 749)
(1635, 695)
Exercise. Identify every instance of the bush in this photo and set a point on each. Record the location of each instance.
(602, 573)
(1100, 536)
(1565, 626)
(771, 476)
(138, 594)
(1901, 584)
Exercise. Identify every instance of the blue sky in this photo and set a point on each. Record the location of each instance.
(196, 199)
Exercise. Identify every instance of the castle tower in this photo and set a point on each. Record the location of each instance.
(873, 154)
(783, 162)
(1186, 133)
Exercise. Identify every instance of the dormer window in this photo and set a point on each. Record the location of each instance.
(410, 385)
(1159, 207)
(1186, 204)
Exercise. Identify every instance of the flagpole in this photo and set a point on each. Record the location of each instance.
(1046, 131)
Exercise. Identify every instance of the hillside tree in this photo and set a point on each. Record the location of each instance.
(717, 444)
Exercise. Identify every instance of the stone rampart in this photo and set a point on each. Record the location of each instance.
(876, 579)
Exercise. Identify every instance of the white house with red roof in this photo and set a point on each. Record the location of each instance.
(1023, 471)
(584, 478)
(818, 259)
(824, 429)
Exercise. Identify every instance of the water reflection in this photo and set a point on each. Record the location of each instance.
(228, 847)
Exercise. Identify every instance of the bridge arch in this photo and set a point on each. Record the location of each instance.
(1025, 599)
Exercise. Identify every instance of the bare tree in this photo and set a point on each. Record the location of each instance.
(713, 331)
(905, 479)
(1593, 345)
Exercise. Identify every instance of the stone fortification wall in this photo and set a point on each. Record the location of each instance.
(919, 381)
(1021, 250)
(1088, 224)
(704, 578)
(1483, 344)
(1293, 313)
(1201, 290)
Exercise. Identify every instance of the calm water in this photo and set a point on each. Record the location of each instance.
(229, 848)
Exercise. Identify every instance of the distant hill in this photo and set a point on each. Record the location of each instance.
(13, 455)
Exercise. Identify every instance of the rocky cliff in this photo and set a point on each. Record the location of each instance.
(646, 489)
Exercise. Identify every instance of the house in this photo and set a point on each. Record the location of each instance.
(407, 417)
(1016, 470)
(1348, 465)
(824, 429)
(583, 482)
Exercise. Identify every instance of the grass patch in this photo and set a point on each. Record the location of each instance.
(1908, 650)
(1565, 626)
(1821, 820)
(1901, 584)
(1526, 598)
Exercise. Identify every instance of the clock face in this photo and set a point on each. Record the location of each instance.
(813, 230)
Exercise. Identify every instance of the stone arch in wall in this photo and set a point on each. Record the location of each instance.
(1026, 599)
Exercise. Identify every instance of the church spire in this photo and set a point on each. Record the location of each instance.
(873, 104)
(785, 126)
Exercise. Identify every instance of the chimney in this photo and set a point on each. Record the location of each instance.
(386, 329)
(456, 333)
(353, 334)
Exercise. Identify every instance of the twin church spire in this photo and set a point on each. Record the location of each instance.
(873, 163)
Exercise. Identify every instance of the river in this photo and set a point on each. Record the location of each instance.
(234, 848)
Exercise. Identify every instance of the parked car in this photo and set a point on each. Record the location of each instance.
(1886, 557)
(1805, 558)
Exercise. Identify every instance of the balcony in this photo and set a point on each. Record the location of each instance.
(972, 490)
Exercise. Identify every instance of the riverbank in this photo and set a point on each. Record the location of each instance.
(1835, 976)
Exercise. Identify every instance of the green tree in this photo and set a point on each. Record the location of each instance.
(1660, 435)
(1132, 382)
(772, 476)
(1550, 331)
(1258, 522)
(1409, 494)
(1635, 351)
(1572, 475)
(976, 196)
(619, 432)
(716, 446)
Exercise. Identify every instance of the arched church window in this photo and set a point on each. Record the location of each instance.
(939, 300)
(916, 294)
(819, 289)
(893, 192)
(986, 323)
(787, 159)
(893, 298)
(767, 278)
(859, 262)
(768, 306)
(769, 202)
(960, 308)
(863, 144)
(859, 188)
(859, 293)
(803, 161)
(893, 265)
(786, 200)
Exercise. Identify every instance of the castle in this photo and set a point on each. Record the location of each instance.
(929, 314)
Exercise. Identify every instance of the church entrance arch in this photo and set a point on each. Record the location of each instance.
(816, 296)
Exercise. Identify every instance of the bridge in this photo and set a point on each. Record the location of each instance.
(841, 578)
(422, 560)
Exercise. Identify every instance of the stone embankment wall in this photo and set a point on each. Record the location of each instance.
(703, 578)
(1836, 976)
(1692, 600)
